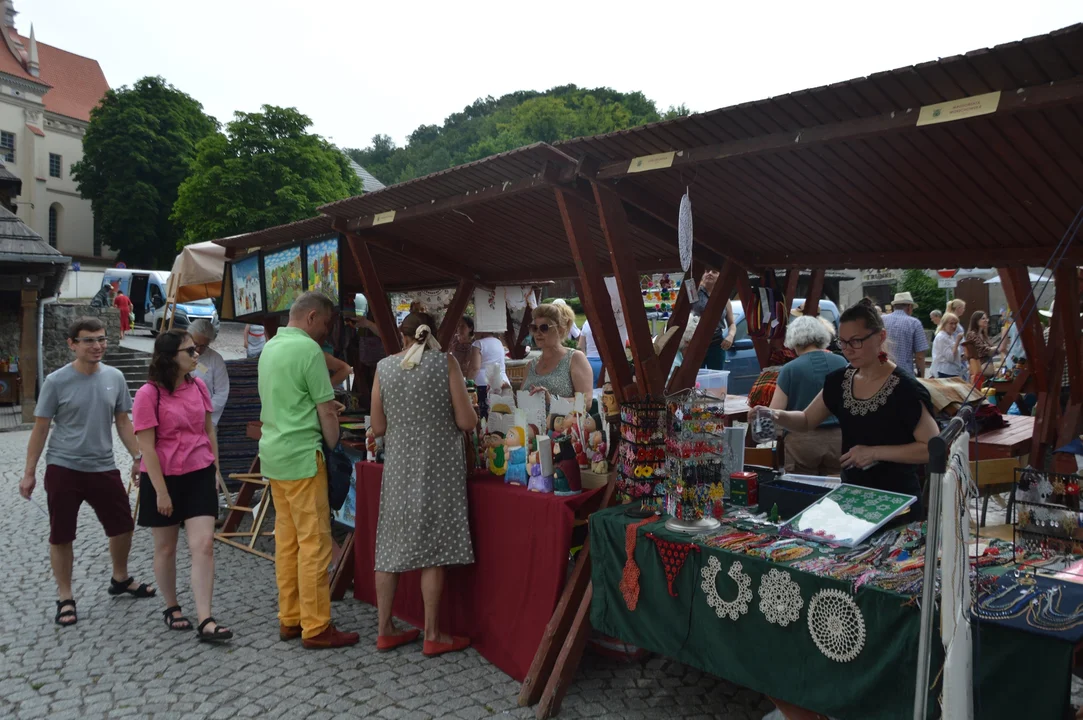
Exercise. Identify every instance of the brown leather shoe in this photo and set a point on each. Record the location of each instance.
(288, 632)
(331, 637)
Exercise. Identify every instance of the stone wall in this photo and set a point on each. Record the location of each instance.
(10, 328)
(59, 317)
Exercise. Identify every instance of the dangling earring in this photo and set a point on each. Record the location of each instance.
(883, 357)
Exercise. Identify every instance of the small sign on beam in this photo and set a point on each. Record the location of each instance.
(960, 109)
(383, 218)
(651, 162)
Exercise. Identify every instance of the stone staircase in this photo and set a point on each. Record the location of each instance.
(133, 363)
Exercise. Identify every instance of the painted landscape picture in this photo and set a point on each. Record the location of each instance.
(247, 291)
(284, 273)
(322, 259)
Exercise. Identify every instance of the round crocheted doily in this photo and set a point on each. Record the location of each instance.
(836, 625)
(780, 598)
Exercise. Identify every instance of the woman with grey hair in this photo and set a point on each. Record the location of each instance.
(799, 382)
(212, 366)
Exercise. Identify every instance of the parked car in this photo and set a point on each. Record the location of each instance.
(147, 291)
(741, 358)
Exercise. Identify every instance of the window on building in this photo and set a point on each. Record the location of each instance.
(7, 146)
(54, 222)
(55, 162)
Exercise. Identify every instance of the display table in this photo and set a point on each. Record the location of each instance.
(505, 599)
(1019, 674)
(1007, 442)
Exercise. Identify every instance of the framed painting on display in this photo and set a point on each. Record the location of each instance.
(246, 285)
(283, 277)
(322, 268)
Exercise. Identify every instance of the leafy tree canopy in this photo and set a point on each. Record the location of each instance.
(265, 170)
(927, 294)
(490, 126)
(137, 150)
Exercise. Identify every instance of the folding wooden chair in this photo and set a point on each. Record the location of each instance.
(246, 539)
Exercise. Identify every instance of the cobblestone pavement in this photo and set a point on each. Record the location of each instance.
(120, 661)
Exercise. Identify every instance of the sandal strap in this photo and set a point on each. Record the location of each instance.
(170, 610)
(61, 603)
(207, 622)
(120, 584)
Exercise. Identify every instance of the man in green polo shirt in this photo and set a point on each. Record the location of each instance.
(299, 411)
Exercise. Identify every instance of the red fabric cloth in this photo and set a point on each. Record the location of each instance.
(506, 598)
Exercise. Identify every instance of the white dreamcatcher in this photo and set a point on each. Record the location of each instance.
(780, 598)
(836, 625)
(739, 605)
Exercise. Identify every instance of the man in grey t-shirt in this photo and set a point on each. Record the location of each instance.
(82, 400)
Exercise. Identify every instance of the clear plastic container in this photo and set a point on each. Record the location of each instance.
(713, 382)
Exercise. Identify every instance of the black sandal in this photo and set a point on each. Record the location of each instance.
(125, 586)
(219, 634)
(174, 623)
(62, 613)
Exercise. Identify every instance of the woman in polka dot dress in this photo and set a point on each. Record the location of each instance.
(420, 407)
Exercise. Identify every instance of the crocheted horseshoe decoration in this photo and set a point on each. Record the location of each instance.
(673, 555)
(836, 625)
(739, 605)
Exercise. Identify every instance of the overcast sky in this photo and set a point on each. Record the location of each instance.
(359, 68)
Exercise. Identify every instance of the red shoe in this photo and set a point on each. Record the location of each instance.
(433, 648)
(390, 642)
(288, 632)
(331, 637)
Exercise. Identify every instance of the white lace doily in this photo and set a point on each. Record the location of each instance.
(780, 598)
(739, 605)
(836, 625)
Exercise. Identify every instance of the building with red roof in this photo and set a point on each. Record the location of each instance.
(46, 95)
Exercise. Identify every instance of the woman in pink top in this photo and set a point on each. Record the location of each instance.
(172, 418)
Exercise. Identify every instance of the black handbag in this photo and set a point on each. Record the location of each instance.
(339, 471)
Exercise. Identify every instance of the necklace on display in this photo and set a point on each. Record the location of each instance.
(1044, 612)
(1011, 602)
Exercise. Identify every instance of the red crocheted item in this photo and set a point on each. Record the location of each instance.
(629, 581)
(673, 555)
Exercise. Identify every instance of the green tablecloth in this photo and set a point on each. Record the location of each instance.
(1020, 675)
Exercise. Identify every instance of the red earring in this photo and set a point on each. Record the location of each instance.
(883, 357)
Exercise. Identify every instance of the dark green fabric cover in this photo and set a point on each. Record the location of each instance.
(784, 662)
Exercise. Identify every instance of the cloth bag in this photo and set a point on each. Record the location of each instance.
(339, 472)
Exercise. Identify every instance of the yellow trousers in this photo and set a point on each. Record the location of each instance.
(303, 551)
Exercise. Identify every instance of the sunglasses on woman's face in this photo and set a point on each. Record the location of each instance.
(542, 328)
(192, 351)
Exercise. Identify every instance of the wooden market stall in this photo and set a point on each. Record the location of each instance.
(935, 165)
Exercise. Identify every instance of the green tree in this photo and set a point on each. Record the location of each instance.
(265, 170)
(926, 294)
(492, 125)
(138, 149)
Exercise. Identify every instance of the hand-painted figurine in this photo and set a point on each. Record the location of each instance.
(516, 452)
(498, 464)
(598, 462)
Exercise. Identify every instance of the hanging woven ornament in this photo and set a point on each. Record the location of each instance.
(629, 581)
(684, 232)
(673, 555)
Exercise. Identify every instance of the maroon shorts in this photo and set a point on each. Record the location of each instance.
(66, 490)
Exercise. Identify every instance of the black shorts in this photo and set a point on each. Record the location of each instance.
(193, 494)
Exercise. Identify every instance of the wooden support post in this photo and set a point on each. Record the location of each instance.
(744, 290)
(793, 276)
(815, 291)
(342, 577)
(685, 377)
(1066, 316)
(1016, 282)
(678, 318)
(595, 296)
(270, 326)
(374, 291)
(618, 237)
(518, 351)
(454, 313)
(28, 354)
(571, 652)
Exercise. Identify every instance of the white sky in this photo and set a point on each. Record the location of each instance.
(359, 68)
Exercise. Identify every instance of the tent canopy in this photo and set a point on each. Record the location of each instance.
(197, 273)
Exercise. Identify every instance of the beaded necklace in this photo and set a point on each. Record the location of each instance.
(1011, 602)
(1044, 612)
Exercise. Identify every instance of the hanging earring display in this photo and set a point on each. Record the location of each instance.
(780, 598)
(739, 605)
(836, 625)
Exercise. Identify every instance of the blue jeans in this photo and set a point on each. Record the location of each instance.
(596, 366)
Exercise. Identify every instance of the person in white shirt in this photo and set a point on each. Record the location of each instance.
(947, 356)
(590, 348)
(212, 366)
(486, 351)
(574, 332)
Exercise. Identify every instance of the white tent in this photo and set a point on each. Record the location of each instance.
(197, 273)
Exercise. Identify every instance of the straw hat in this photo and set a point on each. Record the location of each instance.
(904, 298)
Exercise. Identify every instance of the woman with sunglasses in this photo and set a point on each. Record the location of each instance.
(172, 415)
(560, 371)
(885, 414)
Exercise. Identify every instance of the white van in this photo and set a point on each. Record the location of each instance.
(147, 291)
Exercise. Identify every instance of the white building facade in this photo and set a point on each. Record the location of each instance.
(46, 95)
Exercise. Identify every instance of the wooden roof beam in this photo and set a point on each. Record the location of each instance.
(946, 257)
(1030, 98)
(414, 252)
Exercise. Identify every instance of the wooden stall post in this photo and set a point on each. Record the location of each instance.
(28, 354)
(1066, 317)
(374, 291)
(618, 237)
(517, 351)
(815, 291)
(678, 318)
(1020, 296)
(685, 376)
(454, 313)
(744, 290)
(595, 297)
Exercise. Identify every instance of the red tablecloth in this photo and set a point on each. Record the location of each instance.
(505, 599)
